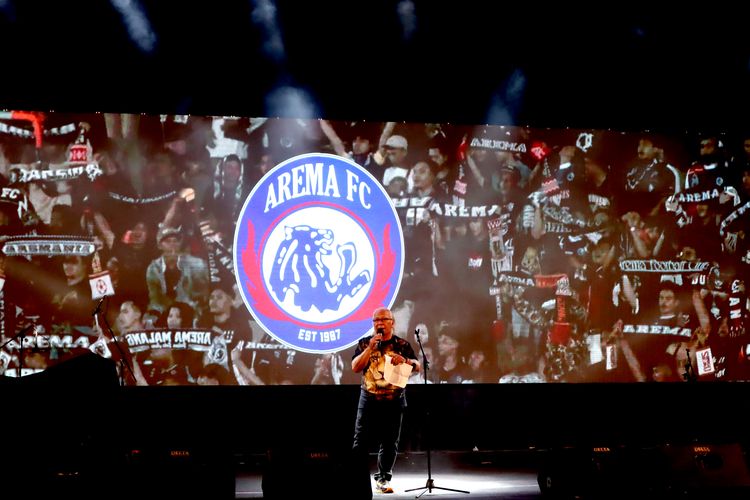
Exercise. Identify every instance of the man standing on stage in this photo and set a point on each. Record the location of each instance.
(381, 404)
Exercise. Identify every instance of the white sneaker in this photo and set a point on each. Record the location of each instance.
(384, 486)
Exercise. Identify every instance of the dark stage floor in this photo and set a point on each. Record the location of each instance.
(656, 475)
(483, 476)
(716, 472)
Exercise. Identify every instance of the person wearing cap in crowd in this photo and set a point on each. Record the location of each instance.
(396, 148)
(175, 276)
(389, 160)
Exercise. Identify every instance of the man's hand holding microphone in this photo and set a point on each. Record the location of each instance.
(376, 339)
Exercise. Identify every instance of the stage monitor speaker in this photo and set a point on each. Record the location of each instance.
(610, 472)
(302, 472)
(718, 470)
(703, 470)
(177, 473)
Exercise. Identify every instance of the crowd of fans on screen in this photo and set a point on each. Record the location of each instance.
(531, 254)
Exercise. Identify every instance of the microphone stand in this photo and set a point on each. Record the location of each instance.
(123, 359)
(430, 485)
(20, 335)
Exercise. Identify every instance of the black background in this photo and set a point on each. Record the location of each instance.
(632, 66)
(615, 67)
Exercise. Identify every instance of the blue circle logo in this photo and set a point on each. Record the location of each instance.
(318, 247)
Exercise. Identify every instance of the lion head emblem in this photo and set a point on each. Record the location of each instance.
(298, 267)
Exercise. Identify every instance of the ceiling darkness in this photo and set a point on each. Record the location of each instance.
(626, 67)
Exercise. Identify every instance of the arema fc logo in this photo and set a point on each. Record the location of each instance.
(318, 247)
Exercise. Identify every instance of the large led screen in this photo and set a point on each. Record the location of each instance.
(200, 250)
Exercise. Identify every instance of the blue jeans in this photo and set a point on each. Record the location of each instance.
(378, 422)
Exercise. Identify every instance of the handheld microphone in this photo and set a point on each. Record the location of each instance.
(98, 306)
(379, 332)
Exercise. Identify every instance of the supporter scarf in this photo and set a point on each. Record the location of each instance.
(219, 256)
(48, 245)
(449, 210)
(662, 266)
(22, 175)
(192, 339)
(141, 201)
(732, 217)
(66, 129)
(703, 196)
(658, 330)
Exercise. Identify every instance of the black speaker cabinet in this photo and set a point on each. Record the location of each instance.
(695, 470)
(304, 472)
(178, 473)
(716, 470)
